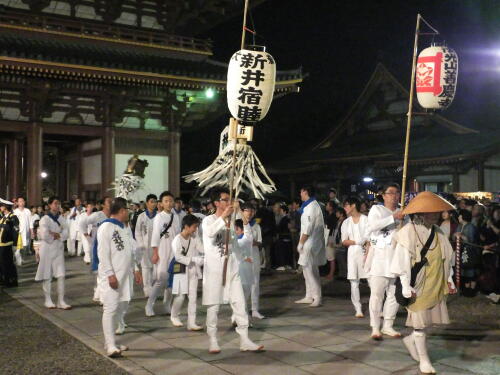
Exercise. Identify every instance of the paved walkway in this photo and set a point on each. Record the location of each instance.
(298, 340)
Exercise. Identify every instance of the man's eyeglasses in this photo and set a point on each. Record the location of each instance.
(224, 200)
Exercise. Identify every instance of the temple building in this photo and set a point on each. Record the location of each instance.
(86, 84)
(366, 148)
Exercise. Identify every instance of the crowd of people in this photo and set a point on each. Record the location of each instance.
(168, 246)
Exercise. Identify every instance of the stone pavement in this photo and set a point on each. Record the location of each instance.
(297, 339)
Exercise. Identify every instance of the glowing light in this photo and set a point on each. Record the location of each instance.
(43, 175)
(209, 93)
(367, 179)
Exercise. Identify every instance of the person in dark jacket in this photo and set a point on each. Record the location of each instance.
(9, 240)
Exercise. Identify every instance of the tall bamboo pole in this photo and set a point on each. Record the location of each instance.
(410, 112)
(233, 165)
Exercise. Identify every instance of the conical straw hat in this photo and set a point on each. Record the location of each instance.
(427, 202)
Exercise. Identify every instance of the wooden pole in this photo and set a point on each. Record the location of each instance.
(410, 111)
(233, 165)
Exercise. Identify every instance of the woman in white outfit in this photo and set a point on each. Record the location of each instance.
(185, 271)
(423, 260)
(355, 236)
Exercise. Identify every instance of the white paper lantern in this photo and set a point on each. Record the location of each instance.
(436, 77)
(250, 85)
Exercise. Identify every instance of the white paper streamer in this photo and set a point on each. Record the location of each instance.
(126, 185)
(248, 172)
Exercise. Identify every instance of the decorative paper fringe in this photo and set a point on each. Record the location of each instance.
(126, 185)
(248, 172)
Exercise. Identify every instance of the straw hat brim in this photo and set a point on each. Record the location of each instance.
(427, 202)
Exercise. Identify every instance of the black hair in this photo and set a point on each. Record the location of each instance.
(247, 206)
(298, 201)
(151, 196)
(19, 197)
(52, 199)
(195, 204)
(117, 204)
(342, 211)
(391, 184)
(284, 207)
(238, 223)
(333, 190)
(178, 199)
(189, 220)
(166, 194)
(91, 202)
(353, 200)
(466, 215)
(310, 190)
(216, 193)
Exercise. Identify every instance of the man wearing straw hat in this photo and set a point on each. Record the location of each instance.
(423, 260)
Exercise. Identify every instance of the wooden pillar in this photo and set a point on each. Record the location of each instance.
(79, 165)
(14, 169)
(456, 181)
(108, 161)
(174, 162)
(34, 164)
(3, 170)
(480, 175)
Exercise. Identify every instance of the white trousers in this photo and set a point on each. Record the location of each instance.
(240, 316)
(86, 248)
(179, 300)
(147, 278)
(355, 296)
(47, 290)
(160, 285)
(380, 285)
(255, 288)
(72, 247)
(113, 311)
(313, 282)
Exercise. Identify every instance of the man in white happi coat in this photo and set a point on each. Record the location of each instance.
(85, 232)
(354, 236)
(53, 231)
(256, 263)
(116, 251)
(215, 292)
(74, 229)
(24, 216)
(166, 226)
(185, 271)
(382, 224)
(311, 247)
(143, 233)
(95, 219)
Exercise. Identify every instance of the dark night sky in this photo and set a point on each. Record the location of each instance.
(338, 44)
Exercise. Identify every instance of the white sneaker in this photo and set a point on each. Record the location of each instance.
(257, 315)
(149, 310)
(248, 345)
(123, 348)
(376, 335)
(214, 347)
(359, 314)
(315, 303)
(194, 327)
(121, 329)
(63, 306)
(113, 352)
(305, 300)
(280, 269)
(176, 322)
(49, 305)
(389, 331)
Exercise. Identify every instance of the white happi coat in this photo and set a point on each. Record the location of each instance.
(116, 250)
(355, 253)
(313, 224)
(143, 233)
(245, 250)
(164, 244)
(214, 231)
(24, 217)
(407, 253)
(51, 250)
(257, 237)
(381, 226)
(193, 270)
(74, 223)
(93, 220)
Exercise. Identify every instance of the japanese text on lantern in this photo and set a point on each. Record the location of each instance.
(252, 75)
(450, 77)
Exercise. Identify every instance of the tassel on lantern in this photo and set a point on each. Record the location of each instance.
(249, 170)
(126, 185)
